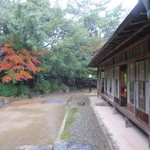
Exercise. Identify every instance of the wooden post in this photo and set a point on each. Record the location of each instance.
(149, 90)
(115, 110)
(90, 86)
(127, 122)
(149, 102)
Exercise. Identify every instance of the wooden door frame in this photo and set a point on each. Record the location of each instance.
(122, 68)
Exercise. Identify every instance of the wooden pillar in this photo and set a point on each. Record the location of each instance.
(127, 122)
(115, 110)
(149, 91)
(98, 80)
(113, 83)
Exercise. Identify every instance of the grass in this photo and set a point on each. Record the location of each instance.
(70, 119)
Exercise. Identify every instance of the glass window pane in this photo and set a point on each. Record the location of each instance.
(132, 71)
(110, 88)
(105, 84)
(137, 74)
(131, 86)
(142, 70)
(102, 74)
(116, 73)
(142, 101)
(116, 88)
(125, 81)
(147, 68)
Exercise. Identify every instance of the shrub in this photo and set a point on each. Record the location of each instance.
(8, 89)
(23, 90)
(42, 86)
(64, 87)
(55, 86)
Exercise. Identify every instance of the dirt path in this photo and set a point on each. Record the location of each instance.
(31, 124)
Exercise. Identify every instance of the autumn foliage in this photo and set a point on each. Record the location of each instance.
(18, 65)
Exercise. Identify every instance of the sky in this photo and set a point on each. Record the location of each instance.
(126, 3)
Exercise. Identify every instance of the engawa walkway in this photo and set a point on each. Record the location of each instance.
(125, 138)
(86, 128)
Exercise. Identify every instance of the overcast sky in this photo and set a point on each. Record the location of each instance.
(126, 3)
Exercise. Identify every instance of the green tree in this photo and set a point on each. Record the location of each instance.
(100, 21)
(32, 25)
(72, 36)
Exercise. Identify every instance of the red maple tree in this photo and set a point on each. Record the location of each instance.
(18, 65)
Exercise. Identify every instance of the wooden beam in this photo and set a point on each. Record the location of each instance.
(129, 61)
(126, 40)
(95, 61)
(135, 23)
(137, 43)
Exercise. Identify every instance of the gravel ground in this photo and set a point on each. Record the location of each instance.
(86, 128)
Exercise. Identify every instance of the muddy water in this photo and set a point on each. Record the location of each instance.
(32, 124)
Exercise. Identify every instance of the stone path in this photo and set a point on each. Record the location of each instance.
(86, 128)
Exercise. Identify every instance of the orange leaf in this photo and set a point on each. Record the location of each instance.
(7, 78)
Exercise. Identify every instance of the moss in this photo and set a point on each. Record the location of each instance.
(66, 135)
(73, 110)
(71, 118)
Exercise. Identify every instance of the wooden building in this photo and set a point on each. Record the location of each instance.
(124, 67)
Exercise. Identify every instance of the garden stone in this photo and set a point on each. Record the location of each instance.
(60, 91)
(12, 98)
(7, 101)
(33, 147)
(1, 102)
(68, 145)
(67, 91)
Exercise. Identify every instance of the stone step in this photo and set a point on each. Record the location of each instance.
(68, 145)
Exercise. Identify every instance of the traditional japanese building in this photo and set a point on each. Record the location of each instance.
(124, 67)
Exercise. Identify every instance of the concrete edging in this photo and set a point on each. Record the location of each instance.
(64, 121)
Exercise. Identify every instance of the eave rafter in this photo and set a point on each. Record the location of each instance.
(136, 26)
(125, 41)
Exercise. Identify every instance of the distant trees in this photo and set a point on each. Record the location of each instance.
(71, 37)
(100, 21)
(32, 25)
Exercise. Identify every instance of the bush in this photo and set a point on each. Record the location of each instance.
(23, 90)
(8, 89)
(43, 86)
(55, 86)
(64, 87)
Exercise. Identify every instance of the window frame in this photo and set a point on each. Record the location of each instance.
(145, 81)
(132, 78)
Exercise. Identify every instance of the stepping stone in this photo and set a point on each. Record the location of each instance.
(81, 103)
(34, 147)
(68, 145)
